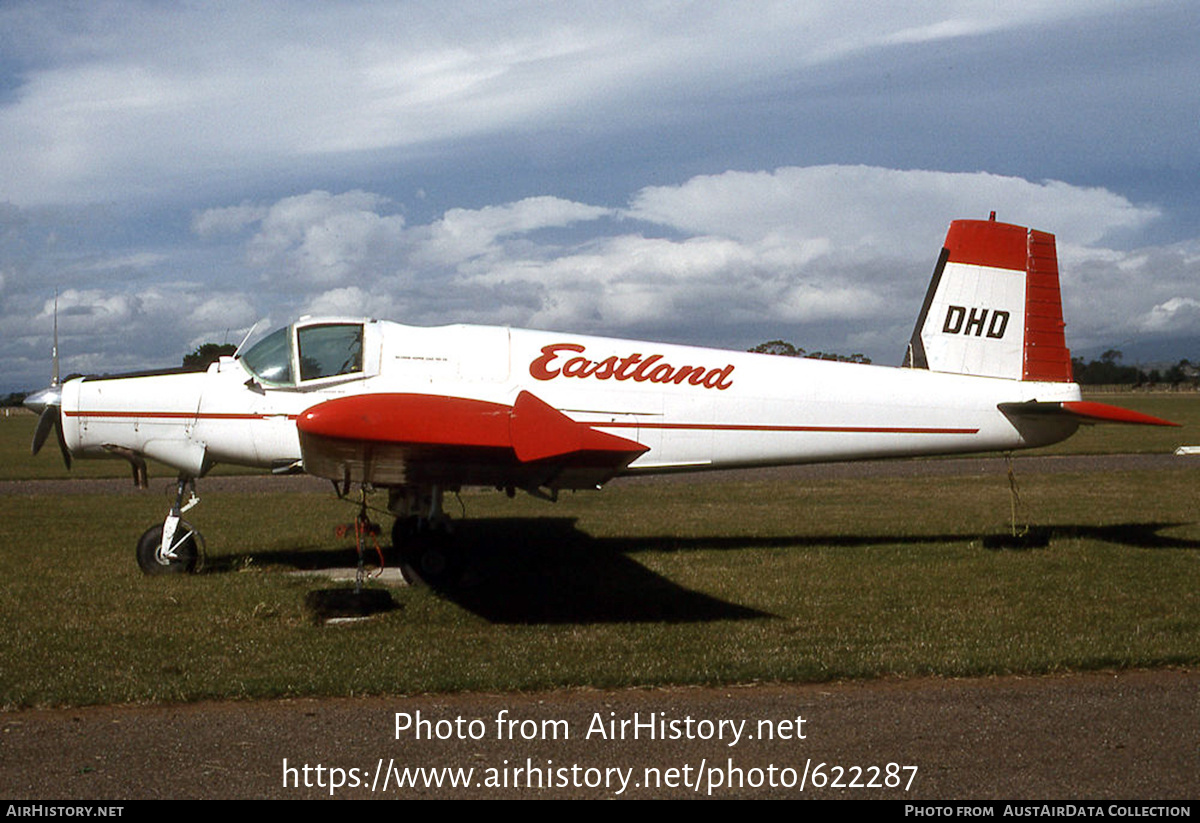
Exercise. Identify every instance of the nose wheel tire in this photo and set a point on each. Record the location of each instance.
(187, 550)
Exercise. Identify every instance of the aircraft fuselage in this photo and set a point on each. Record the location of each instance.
(690, 408)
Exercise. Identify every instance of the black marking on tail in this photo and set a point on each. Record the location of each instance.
(914, 358)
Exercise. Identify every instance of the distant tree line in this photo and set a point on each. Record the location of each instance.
(206, 353)
(197, 360)
(786, 349)
(1108, 371)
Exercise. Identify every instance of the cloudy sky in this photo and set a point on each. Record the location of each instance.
(703, 172)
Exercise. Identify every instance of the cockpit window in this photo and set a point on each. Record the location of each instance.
(270, 359)
(330, 350)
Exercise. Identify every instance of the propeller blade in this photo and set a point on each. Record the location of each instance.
(62, 441)
(54, 352)
(48, 404)
(48, 418)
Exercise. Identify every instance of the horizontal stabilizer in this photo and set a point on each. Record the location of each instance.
(1084, 411)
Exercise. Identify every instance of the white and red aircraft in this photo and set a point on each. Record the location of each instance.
(419, 411)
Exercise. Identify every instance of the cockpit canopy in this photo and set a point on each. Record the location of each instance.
(314, 350)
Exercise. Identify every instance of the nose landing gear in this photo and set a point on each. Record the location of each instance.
(173, 546)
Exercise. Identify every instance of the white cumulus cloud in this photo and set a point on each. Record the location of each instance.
(1179, 314)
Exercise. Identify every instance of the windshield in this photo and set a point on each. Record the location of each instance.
(270, 359)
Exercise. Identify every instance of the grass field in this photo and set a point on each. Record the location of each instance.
(720, 582)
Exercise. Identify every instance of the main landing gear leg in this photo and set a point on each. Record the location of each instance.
(173, 546)
(422, 537)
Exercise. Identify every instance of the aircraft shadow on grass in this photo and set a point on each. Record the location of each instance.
(1130, 535)
(546, 570)
(539, 570)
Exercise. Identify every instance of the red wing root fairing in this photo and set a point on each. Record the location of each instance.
(404, 438)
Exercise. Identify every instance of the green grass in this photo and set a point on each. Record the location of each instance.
(636, 585)
(643, 584)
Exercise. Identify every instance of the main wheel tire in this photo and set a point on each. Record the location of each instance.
(426, 557)
(187, 553)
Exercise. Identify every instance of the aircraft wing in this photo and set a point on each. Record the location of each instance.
(395, 439)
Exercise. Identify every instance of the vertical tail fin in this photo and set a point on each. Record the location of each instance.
(993, 308)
